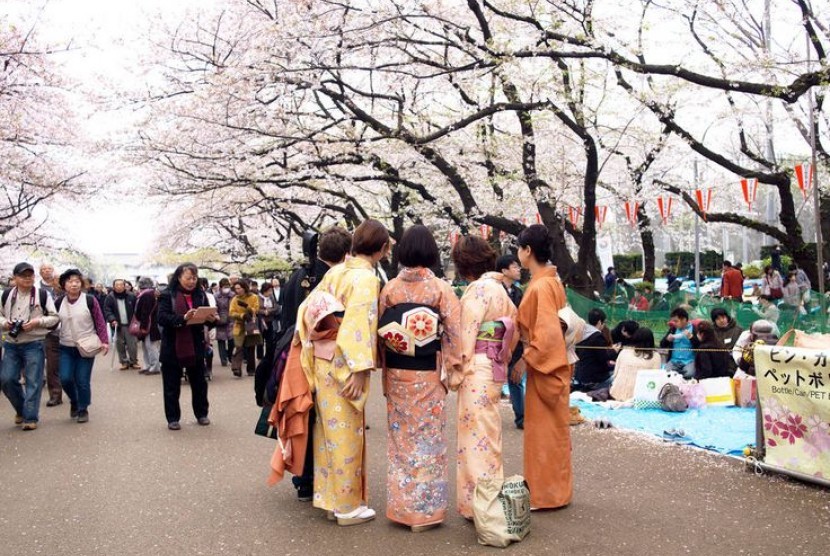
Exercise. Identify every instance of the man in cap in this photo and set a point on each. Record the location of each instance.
(27, 314)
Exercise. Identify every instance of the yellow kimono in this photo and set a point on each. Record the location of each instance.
(330, 354)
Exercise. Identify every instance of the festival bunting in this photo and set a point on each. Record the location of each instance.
(631, 210)
(573, 215)
(804, 174)
(704, 200)
(750, 189)
(485, 231)
(600, 213)
(664, 206)
(454, 237)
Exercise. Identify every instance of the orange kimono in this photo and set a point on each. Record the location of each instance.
(547, 446)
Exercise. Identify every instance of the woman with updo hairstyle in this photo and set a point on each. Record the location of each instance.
(337, 325)
(418, 330)
(487, 341)
(547, 446)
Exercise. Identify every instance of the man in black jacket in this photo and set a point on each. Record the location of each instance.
(594, 369)
(511, 272)
(118, 310)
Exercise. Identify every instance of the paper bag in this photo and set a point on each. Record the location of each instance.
(501, 510)
(746, 390)
(719, 391)
(647, 387)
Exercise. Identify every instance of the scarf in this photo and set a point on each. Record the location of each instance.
(185, 348)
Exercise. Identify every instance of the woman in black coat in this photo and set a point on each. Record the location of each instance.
(709, 362)
(183, 344)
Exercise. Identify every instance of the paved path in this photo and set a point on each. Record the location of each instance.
(123, 484)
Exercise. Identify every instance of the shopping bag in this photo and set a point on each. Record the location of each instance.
(501, 510)
(694, 394)
(746, 390)
(647, 387)
(719, 391)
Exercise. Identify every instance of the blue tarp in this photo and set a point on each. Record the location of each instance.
(727, 430)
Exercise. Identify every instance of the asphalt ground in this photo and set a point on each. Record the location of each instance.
(123, 484)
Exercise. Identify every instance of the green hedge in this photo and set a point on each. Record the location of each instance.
(629, 264)
(680, 261)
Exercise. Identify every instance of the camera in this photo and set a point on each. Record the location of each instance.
(17, 328)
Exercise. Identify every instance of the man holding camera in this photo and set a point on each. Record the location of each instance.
(26, 316)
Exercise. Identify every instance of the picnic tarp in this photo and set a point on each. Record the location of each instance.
(726, 430)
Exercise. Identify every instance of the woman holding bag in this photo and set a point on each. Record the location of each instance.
(183, 345)
(487, 341)
(79, 322)
(246, 334)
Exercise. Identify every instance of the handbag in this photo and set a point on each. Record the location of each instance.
(501, 510)
(89, 345)
(135, 328)
(671, 399)
(776, 293)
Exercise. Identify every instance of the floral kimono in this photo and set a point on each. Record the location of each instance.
(419, 323)
(337, 325)
(484, 304)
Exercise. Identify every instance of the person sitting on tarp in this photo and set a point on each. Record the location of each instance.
(596, 356)
(680, 340)
(713, 359)
(761, 332)
(727, 331)
(622, 333)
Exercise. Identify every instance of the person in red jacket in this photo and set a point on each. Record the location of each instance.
(732, 283)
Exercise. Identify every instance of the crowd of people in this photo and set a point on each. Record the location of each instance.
(348, 320)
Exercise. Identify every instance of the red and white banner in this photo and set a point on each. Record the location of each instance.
(664, 206)
(750, 190)
(631, 210)
(574, 214)
(804, 174)
(485, 231)
(704, 200)
(454, 237)
(600, 213)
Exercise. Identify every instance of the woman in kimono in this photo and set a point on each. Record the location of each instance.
(337, 324)
(487, 340)
(418, 329)
(547, 447)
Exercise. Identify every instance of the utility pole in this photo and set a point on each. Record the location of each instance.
(816, 200)
(697, 240)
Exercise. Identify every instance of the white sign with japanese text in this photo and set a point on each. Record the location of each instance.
(794, 395)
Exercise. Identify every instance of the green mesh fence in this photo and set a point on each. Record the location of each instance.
(617, 309)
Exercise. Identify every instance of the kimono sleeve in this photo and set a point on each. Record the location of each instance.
(450, 309)
(473, 310)
(357, 337)
(545, 345)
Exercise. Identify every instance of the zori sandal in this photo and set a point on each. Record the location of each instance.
(360, 515)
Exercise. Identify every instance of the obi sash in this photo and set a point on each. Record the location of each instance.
(494, 339)
(322, 319)
(411, 336)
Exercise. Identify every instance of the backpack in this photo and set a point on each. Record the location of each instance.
(671, 399)
(42, 295)
(89, 303)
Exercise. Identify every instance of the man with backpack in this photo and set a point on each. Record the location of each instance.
(26, 316)
(322, 252)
